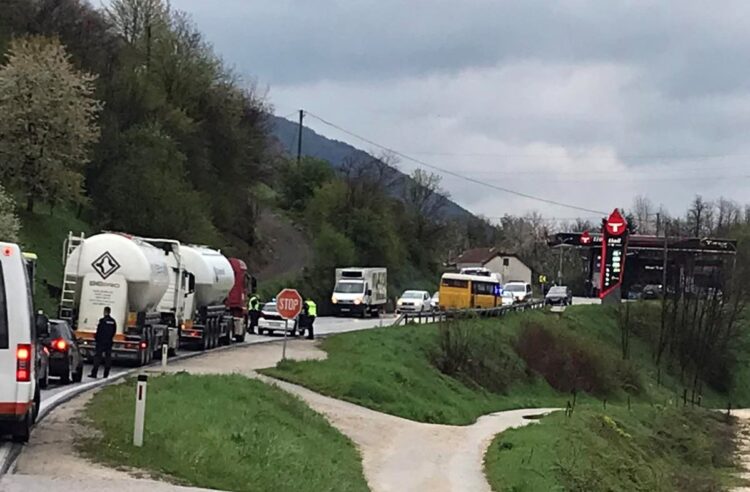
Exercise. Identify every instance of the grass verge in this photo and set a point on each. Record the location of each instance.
(650, 448)
(223, 432)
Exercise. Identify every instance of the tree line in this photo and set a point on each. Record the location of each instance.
(127, 113)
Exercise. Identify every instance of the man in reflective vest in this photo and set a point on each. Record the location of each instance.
(311, 312)
(253, 311)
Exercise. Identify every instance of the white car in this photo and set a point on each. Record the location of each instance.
(507, 298)
(271, 321)
(414, 301)
(19, 350)
(435, 301)
(521, 290)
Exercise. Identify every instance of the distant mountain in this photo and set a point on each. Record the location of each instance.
(338, 153)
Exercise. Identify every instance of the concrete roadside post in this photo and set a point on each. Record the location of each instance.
(140, 410)
(164, 355)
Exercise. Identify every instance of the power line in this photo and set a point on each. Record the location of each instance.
(451, 173)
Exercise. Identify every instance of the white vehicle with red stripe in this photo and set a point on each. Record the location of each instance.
(19, 391)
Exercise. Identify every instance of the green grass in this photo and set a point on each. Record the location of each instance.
(43, 233)
(223, 432)
(650, 448)
(390, 370)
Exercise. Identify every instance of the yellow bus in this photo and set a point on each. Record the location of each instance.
(461, 291)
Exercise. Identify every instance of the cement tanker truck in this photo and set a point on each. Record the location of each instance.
(207, 295)
(129, 276)
(161, 292)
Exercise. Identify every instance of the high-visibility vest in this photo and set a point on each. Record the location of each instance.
(254, 304)
(312, 308)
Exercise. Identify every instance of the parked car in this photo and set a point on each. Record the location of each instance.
(507, 298)
(414, 301)
(559, 295)
(652, 291)
(42, 370)
(635, 292)
(65, 358)
(435, 301)
(521, 290)
(271, 321)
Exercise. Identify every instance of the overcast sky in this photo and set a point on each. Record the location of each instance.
(585, 102)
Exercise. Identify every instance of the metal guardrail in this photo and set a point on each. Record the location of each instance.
(435, 316)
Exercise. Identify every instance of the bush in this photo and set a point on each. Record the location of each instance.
(569, 363)
(476, 356)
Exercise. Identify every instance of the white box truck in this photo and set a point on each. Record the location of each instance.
(360, 291)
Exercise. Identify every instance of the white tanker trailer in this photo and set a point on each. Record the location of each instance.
(213, 277)
(130, 277)
(200, 280)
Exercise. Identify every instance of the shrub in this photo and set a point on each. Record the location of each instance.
(476, 356)
(570, 363)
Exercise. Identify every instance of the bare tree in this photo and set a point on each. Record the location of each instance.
(700, 217)
(728, 215)
(643, 211)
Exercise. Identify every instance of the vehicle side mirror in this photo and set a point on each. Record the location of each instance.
(42, 325)
(369, 292)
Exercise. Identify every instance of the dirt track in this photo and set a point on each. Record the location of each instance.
(398, 454)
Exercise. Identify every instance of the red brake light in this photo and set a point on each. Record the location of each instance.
(144, 345)
(24, 352)
(60, 344)
(23, 363)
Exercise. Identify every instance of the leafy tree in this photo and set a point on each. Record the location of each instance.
(298, 182)
(9, 223)
(48, 122)
(148, 193)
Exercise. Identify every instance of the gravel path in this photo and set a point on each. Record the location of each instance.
(398, 454)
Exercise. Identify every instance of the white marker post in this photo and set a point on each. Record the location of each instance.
(140, 409)
(164, 355)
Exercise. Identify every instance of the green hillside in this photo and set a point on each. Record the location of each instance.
(43, 233)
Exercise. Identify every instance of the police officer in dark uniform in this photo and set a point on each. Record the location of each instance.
(105, 334)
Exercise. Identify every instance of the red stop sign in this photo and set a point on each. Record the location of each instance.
(289, 303)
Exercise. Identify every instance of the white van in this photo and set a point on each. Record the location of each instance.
(19, 391)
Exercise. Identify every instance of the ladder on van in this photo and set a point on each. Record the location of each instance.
(70, 282)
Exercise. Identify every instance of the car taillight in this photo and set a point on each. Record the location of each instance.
(60, 344)
(23, 363)
(144, 345)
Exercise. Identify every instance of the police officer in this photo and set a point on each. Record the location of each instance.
(311, 312)
(253, 312)
(105, 334)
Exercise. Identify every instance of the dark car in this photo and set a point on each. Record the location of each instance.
(652, 291)
(65, 360)
(559, 295)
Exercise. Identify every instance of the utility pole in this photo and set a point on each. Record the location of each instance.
(559, 270)
(299, 136)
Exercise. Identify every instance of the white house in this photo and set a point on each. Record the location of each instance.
(506, 264)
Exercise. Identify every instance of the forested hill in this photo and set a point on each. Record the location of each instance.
(341, 154)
